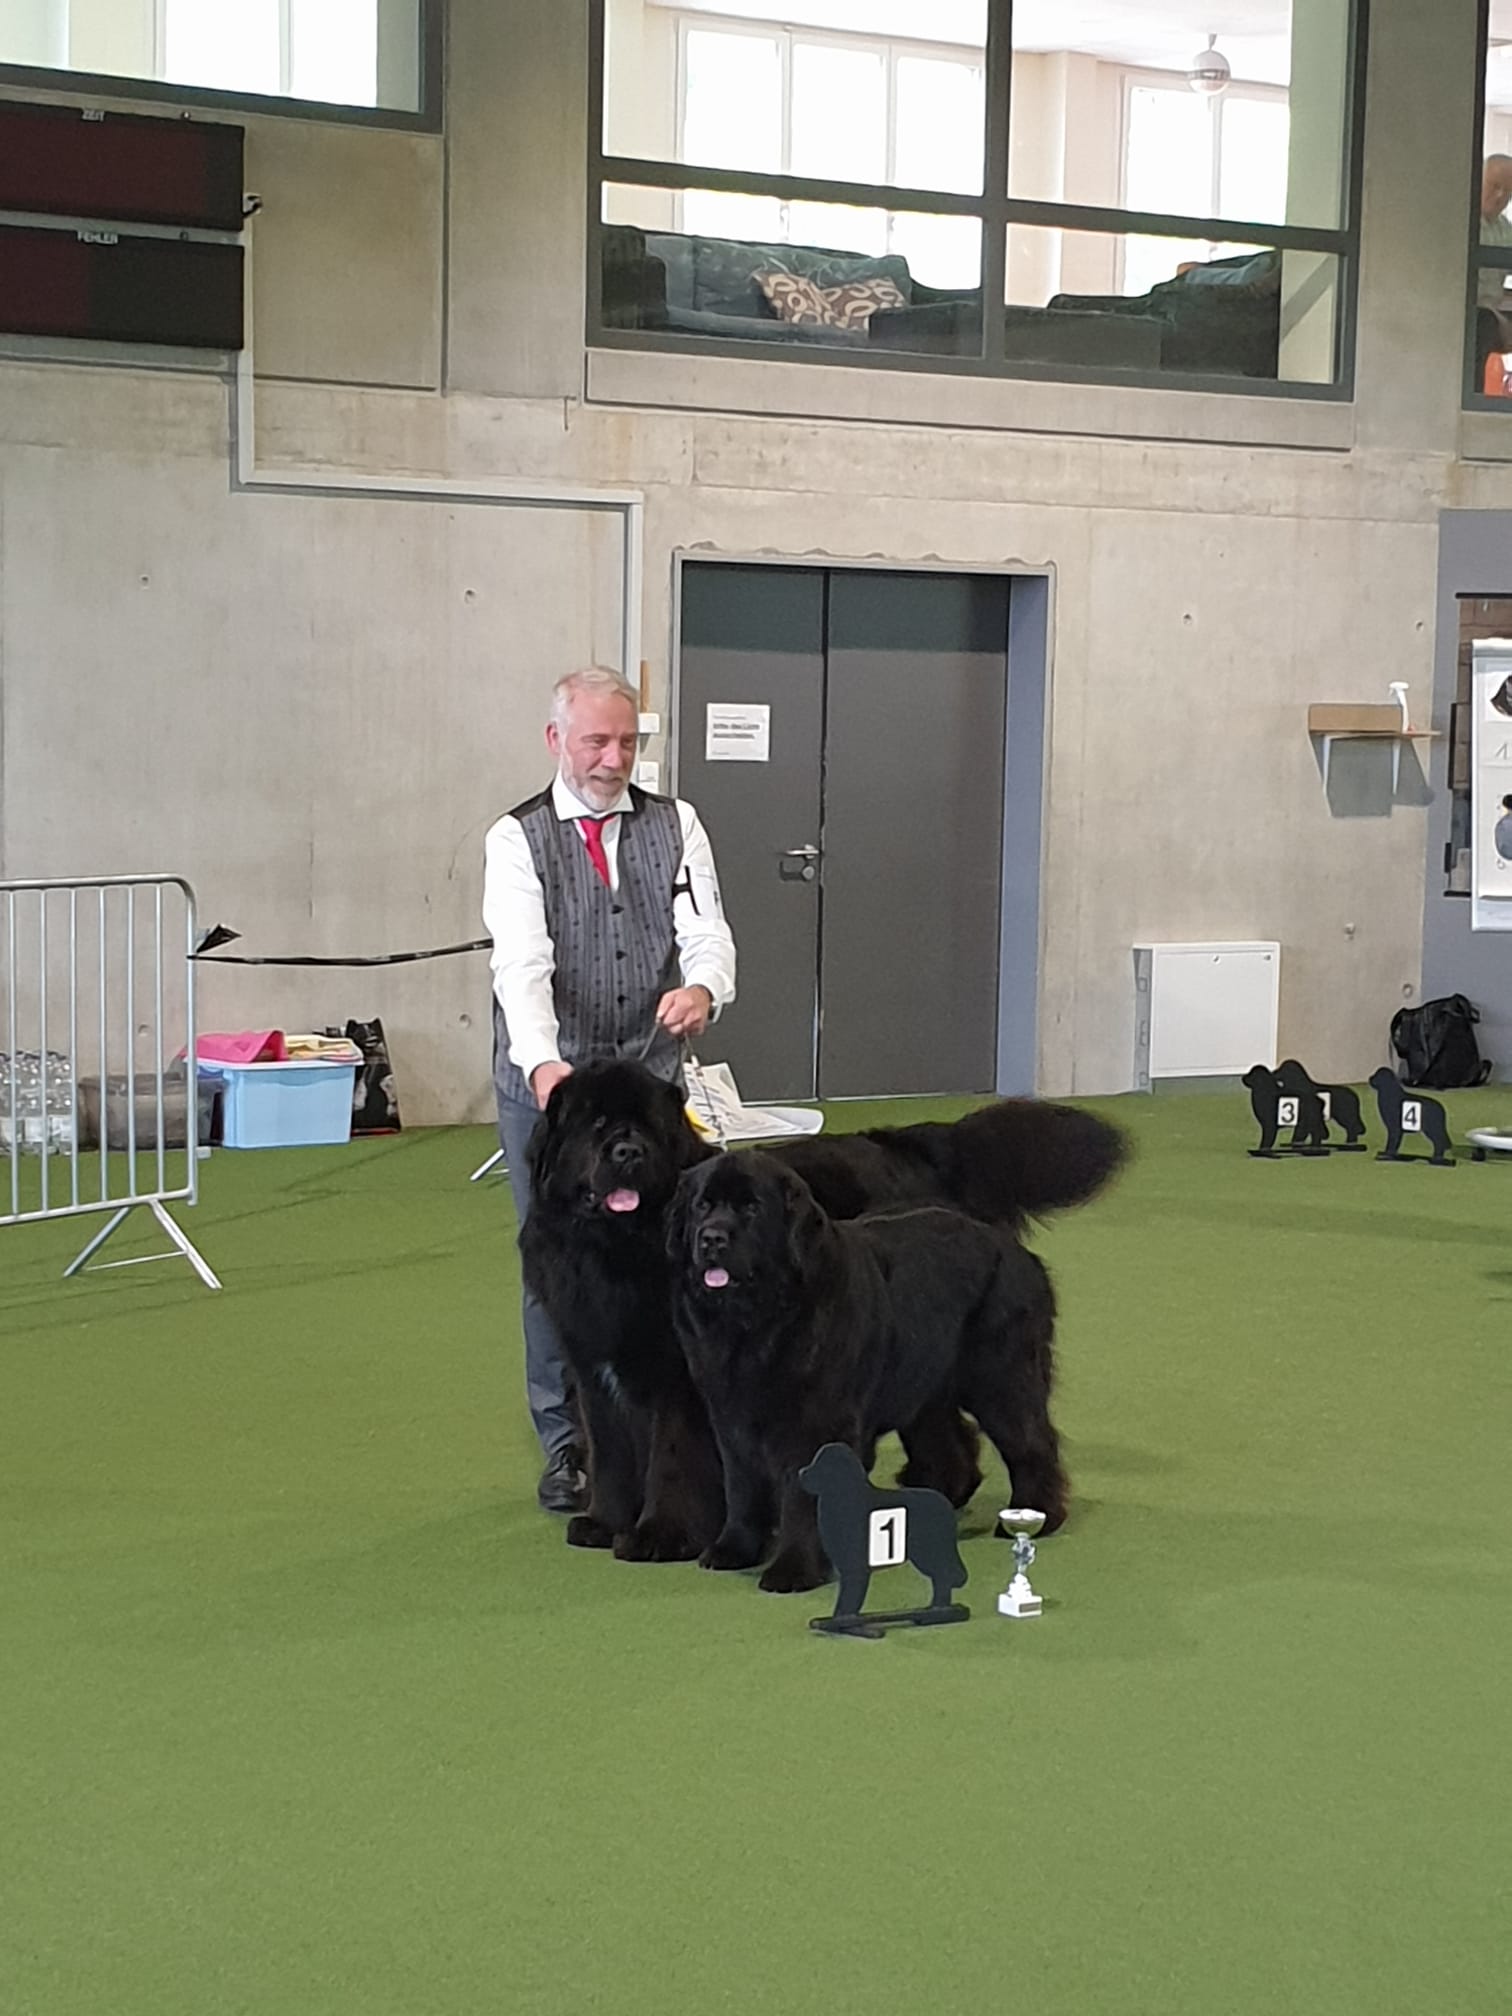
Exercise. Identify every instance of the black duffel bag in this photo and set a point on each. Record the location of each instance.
(1436, 1044)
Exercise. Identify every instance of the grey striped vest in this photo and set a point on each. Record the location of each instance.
(616, 950)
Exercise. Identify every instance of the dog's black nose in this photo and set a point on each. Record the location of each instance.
(713, 1242)
(623, 1153)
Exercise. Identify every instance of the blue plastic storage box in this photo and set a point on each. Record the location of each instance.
(304, 1102)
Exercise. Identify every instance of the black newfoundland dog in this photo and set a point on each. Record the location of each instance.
(605, 1162)
(801, 1332)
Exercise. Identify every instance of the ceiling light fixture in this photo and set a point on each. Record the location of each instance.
(1209, 73)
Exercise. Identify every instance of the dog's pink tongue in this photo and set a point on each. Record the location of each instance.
(622, 1200)
(716, 1277)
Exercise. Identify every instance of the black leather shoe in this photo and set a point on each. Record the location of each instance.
(564, 1482)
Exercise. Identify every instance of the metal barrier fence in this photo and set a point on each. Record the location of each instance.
(100, 1102)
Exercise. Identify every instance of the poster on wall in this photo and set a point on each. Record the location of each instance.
(1491, 796)
(737, 734)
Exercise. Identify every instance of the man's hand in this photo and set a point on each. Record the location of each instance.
(545, 1076)
(685, 1011)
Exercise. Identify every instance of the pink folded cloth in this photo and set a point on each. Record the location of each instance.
(249, 1046)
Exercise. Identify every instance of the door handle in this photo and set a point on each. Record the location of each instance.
(800, 853)
(806, 857)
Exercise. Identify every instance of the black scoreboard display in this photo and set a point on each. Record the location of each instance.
(106, 169)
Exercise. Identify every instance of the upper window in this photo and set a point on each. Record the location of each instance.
(1490, 336)
(833, 108)
(1053, 187)
(362, 55)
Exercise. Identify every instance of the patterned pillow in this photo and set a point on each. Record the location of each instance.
(848, 306)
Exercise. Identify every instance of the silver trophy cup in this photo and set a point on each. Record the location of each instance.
(1018, 1599)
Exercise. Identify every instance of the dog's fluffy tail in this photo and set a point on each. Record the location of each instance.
(1023, 1158)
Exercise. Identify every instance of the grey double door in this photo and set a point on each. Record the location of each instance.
(842, 735)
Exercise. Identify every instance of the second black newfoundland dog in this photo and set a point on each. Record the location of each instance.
(800, 1331)
(605, 1162)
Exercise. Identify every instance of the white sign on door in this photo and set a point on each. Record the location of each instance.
(887, 1538)
(737, 734)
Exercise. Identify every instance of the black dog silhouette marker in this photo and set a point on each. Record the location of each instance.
(1340, 1103)
(1274, 1109)
(863, 1528)
(1404, 1112)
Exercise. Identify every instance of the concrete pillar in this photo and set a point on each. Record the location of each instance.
(1092, 128)
(1037, 166)
(1421, 142)
(1063, 146)
(641, 61)
(517, 152)
(640, 71)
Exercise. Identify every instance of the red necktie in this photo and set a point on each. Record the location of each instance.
(593, 833)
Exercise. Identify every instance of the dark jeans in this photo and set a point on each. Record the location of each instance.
(548, 1384)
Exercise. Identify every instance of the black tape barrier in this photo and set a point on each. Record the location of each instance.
(207, 954)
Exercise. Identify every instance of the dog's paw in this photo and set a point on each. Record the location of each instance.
(584, 1530)
(789, 1574)
(731, 1550)
(653, 1540)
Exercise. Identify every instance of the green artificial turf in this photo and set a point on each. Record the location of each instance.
(305, 1708)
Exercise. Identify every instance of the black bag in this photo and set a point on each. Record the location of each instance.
(1436, 1044)
(375, 1098)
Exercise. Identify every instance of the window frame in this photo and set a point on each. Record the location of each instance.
(39, 80)
(996, 210)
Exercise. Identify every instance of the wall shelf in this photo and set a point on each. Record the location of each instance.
(1360, 721)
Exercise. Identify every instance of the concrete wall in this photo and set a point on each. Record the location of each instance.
(313, 705)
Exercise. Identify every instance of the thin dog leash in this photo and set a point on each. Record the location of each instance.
(689, 1065)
